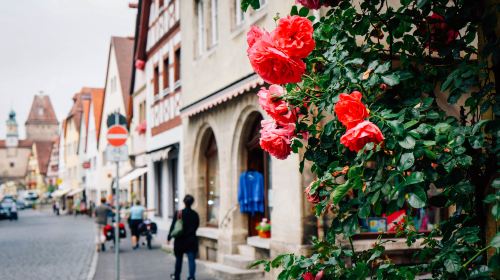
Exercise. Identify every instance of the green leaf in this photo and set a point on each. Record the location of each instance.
(406, 162)
(496, 183)
(452, 263)
(421, 3)
(303, 12)
(417, 199)
(396, 127)
(414, 178)
(357, 61)
(407, 143)
(495, 242)
(478, 125)
(339, 192)
(391, 79)
(382, 68)
(246, 3)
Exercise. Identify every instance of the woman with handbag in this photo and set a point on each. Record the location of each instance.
(183, 230)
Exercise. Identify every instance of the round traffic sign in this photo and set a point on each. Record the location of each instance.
(117, 135)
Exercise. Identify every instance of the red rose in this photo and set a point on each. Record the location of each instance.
(270, 100)
(312, 198)
(294, 35)
(316, 4)
(308, 276)
(276, 140)
(441, 34)
(255, 34)
(350, 110)
(273, 65)
(310, 4)
(364, 132)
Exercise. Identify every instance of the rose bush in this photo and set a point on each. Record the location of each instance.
(418, 131)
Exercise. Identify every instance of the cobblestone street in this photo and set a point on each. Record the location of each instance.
(43, 246)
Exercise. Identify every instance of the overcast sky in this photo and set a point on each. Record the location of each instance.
(57, 46)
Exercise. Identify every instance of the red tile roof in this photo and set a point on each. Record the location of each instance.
(43, 152)
(41, 111)
(76, 110)
(21, 144)
(98, 105)
(124, 51)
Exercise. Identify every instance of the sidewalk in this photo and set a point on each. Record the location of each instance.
(142, 263)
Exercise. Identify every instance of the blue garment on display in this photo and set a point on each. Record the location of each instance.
(251, 192)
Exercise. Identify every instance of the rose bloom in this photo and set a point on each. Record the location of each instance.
(270, 100)
(312, 198)
(350, 110)
(255, 34)
(364, 132)
(310, 276)
(272, 64)
(441, 34)
(294, 35)
(276, 140)
(316, 4)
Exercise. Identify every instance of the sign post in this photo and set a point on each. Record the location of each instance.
(117, 151)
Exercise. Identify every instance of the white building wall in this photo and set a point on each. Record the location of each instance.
(113, 102)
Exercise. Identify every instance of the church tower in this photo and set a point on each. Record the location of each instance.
(42, 124)
(12, 137)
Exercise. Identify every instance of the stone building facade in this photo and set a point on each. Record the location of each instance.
(221, 122)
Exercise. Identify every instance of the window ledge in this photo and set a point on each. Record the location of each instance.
(259, 15)
(208, 232)
(394, 244)
(237, 31)
(257, 242)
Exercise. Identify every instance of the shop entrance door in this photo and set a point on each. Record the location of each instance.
(257, 160)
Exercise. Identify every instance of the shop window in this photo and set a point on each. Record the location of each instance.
(174, 187)
(166, 72)
(212, 182)
(177, 67)
(158, 170)
(156, 80)
(258, 161)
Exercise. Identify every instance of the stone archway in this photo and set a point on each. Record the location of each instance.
(252, 158)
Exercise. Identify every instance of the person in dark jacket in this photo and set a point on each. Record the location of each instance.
(187, 242)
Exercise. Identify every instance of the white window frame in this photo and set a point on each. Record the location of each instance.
(200, 26)
(214, 16)
(239, 15)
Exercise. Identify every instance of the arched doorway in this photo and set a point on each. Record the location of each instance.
(212, 188)
(255, 159)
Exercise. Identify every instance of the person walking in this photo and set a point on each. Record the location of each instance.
(186, 242)
(101, 219)
(13, 211)
(135, 220)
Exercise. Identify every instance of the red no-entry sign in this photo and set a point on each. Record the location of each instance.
(117, 135)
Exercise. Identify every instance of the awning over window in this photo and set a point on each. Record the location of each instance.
(59, 193)
(75, 191)
(132, 175)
